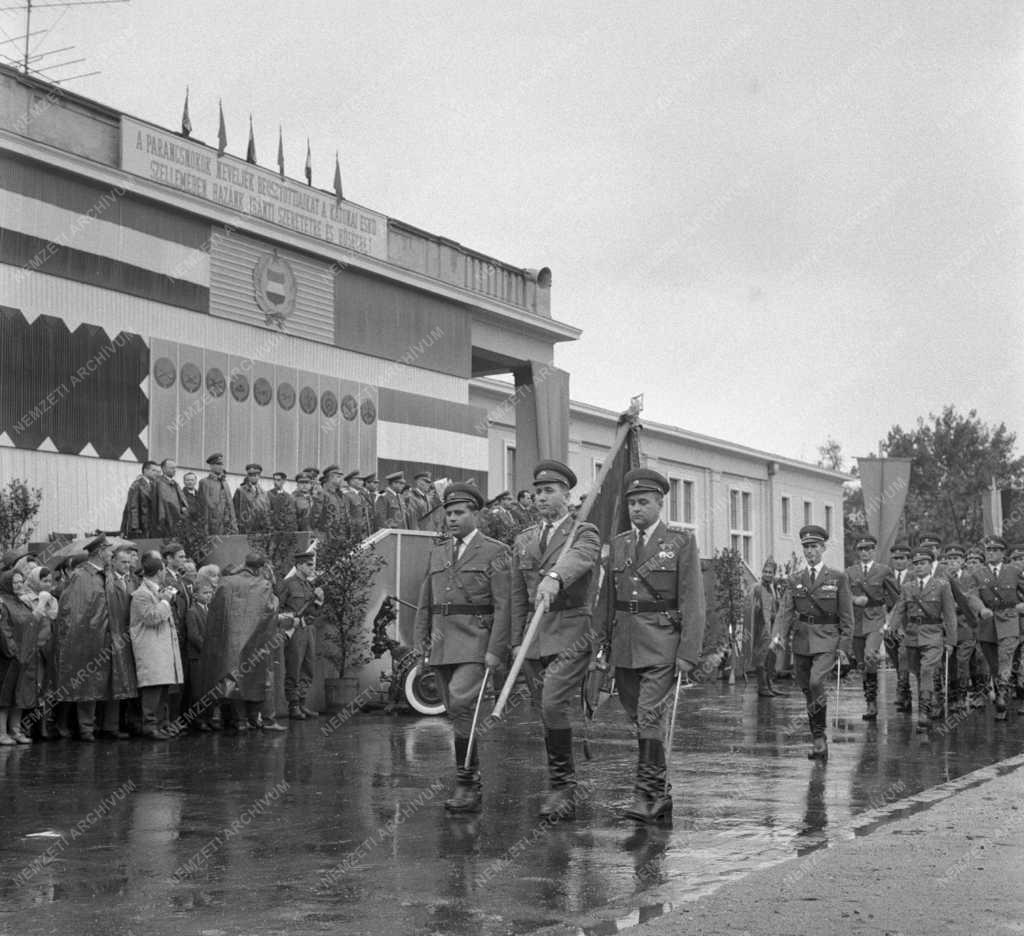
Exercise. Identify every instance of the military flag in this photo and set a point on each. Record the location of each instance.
(250, 150)
(337, 179)
(186, 121)
(222, 133)
(280, 151)
(309, 164)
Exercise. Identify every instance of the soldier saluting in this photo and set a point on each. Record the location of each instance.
(545, 576)
(462, 625)
(819, 606)
(654, 603)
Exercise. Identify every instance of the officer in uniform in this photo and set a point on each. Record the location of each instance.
(818, 605)
(299, 599)
(367, 488)
(390, 510)
(925, 616)
(959, 674)
(653, 604)
(867, 586)
(462, 625)
(358, 519)
(766, 600)
(303, 501)
(996, 595)
(899, 567)
(558, 582)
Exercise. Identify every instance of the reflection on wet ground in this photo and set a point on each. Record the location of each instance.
(343, 831)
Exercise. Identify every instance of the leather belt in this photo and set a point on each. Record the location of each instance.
(639, 607)
(557, 605)
(446, 609)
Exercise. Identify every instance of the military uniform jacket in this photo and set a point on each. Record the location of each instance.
(966, 622)
(390, 511)
(670, 563)
(985, 590)
(137, 519)
(283, 515)
(371, 518)
(567, 624)
(297, 597)
(480, 578)
(358, 521)
(871, 618)
(252, 508)
(926, 617)
(218, 509)
(820, 615)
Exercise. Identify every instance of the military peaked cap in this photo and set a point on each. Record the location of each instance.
(460, 493)
(644, 479)
(548, 471)
(812, 534)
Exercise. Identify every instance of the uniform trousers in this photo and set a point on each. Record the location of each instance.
(556, 681)
(924, 661)
(812, 676)
(299, 661)
(964, 652)
(460, 686)
(647, 695)
(866, 651)
(999, 657)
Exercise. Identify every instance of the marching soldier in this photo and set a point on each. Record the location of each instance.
(818, 605)
(299, 600)
(390, 511)
(765, 602)
(925, 616)
(558, 657)
(867, 587)
(996, 595)
(899, 562)
(959, 674)
(462, 626)
(655, 614)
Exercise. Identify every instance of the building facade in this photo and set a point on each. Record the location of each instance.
(159, 299)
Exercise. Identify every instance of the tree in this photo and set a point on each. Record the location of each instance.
(347, 570)
(19, 506)
(955, 459)
(830, 455)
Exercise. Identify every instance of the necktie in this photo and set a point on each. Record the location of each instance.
(458, 548)
(810, 575)
(544, 538)
(639, 540)
(995, 570)
(865, 570)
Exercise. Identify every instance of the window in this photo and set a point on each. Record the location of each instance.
(787, 521)
(688, 511)
(741, 533)
(828, 520)
(808, 513)
(680, 501)
(510, 467)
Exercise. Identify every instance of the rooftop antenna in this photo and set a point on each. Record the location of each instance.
(64, 5)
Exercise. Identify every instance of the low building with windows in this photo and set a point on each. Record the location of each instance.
(728, 494)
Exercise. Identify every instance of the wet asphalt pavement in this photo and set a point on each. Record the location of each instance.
(342, 830)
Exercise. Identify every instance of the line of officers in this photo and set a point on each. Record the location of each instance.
(952, 618)
(157, 506)
(643, 603)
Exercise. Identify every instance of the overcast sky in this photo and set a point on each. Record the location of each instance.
(780, 221)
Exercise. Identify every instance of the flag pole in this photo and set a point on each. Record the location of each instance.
(627, 425)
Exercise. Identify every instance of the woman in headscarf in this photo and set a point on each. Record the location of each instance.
(19, 646)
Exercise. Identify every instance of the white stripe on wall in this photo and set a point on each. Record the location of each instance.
(402, 442)
(97, 236)
(37, 294)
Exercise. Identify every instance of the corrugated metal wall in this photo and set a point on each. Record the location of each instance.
(233, 256)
